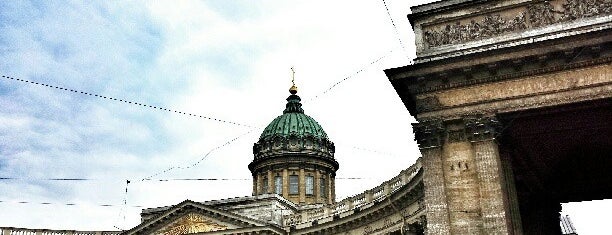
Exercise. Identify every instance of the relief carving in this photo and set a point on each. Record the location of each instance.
(541, 14)
(192, 223)
(293, 220)
(538, 14)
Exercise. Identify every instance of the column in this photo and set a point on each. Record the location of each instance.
(302, 186)
(332, 188)
(255, 191)
(317, 188)
(270, 182)
(482, 132)
(286, 184)
(429, 137)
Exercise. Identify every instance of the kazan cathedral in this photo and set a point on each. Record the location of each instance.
(294, 192)
(513, 101)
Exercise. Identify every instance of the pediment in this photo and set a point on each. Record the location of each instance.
(190, 217)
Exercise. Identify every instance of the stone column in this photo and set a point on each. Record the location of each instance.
(331, 186)
(270, 182)
(255, 191)
(429, 137)
(286, 184)
(482, 133)
(461, 180)
(302, 186)
(317, 186)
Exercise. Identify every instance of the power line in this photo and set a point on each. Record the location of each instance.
(350, 76)
(395, 28)
(46, 179)
(201, 159)
(128, 102)
(65, 204)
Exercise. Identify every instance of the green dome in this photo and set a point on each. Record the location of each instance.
(293, 122)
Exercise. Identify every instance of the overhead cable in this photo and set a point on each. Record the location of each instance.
(129, 102)
(395, 28)
(65, 204)
(201, 159)
(350, 76)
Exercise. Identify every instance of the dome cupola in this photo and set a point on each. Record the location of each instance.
(294, 157)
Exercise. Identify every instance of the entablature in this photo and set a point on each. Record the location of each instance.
(478, 83)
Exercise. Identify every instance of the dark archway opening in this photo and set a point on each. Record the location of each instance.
(555, 155)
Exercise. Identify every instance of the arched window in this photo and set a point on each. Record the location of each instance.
(278, 185)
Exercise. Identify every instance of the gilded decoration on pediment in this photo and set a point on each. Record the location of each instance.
(534, 15)
(191, 223)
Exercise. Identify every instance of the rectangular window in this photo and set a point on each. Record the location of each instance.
(293, 184)
(264, 188)
(278, 185)
(309, 185)
(322, 188)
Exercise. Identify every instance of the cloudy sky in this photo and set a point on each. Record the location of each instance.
(226, 60)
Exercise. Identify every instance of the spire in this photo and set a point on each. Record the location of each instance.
(293, 101)
(293, 89)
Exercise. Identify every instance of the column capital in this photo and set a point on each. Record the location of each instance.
(429, 133)
(481, 128)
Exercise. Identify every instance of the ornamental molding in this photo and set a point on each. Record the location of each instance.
(534, 15)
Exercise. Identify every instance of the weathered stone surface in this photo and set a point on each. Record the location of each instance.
(435, 192)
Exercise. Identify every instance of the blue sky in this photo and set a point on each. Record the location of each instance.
(224, 59)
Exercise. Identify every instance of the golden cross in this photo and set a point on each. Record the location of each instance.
(292, 76)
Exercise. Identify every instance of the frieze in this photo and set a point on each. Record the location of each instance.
(535, 15)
